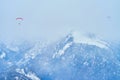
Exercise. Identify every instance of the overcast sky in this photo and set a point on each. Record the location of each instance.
(52, 19)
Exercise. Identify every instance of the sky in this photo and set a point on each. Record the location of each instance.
(52, 19)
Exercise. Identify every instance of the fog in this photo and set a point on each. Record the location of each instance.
(53, 19)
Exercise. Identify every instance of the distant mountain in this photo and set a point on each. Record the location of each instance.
(74, 57)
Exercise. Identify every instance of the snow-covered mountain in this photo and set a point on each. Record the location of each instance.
(74, 57)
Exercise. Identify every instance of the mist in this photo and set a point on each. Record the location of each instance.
(53, 19)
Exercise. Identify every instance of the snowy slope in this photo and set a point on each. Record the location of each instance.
(74, 57)
(89, 39)
(77, 38)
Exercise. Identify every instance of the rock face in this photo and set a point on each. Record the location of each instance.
(74, 57)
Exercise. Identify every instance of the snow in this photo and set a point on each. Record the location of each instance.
(90, 39)
(86, 63)
(16, 78)
(32, 53)
(80, 38)
(9, 63)
(32, 76)
(29, 74)
(3, 54)
(13, 48)
(21, 71)
(61, 52)
(70, 59)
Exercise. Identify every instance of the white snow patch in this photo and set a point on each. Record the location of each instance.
(29, 74)
(16, 78)
(21, 71)
(3, 54)
(80, 38)
(61, 52)
(32, 76)
(13, 48)
(86, 63)
(9, 63)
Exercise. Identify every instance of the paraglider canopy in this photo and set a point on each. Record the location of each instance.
(19, 20)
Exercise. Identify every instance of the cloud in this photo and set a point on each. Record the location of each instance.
(51, 20)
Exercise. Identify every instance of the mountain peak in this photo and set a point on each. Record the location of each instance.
(89, 38)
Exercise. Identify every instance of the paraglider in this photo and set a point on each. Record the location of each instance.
(19, 20)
